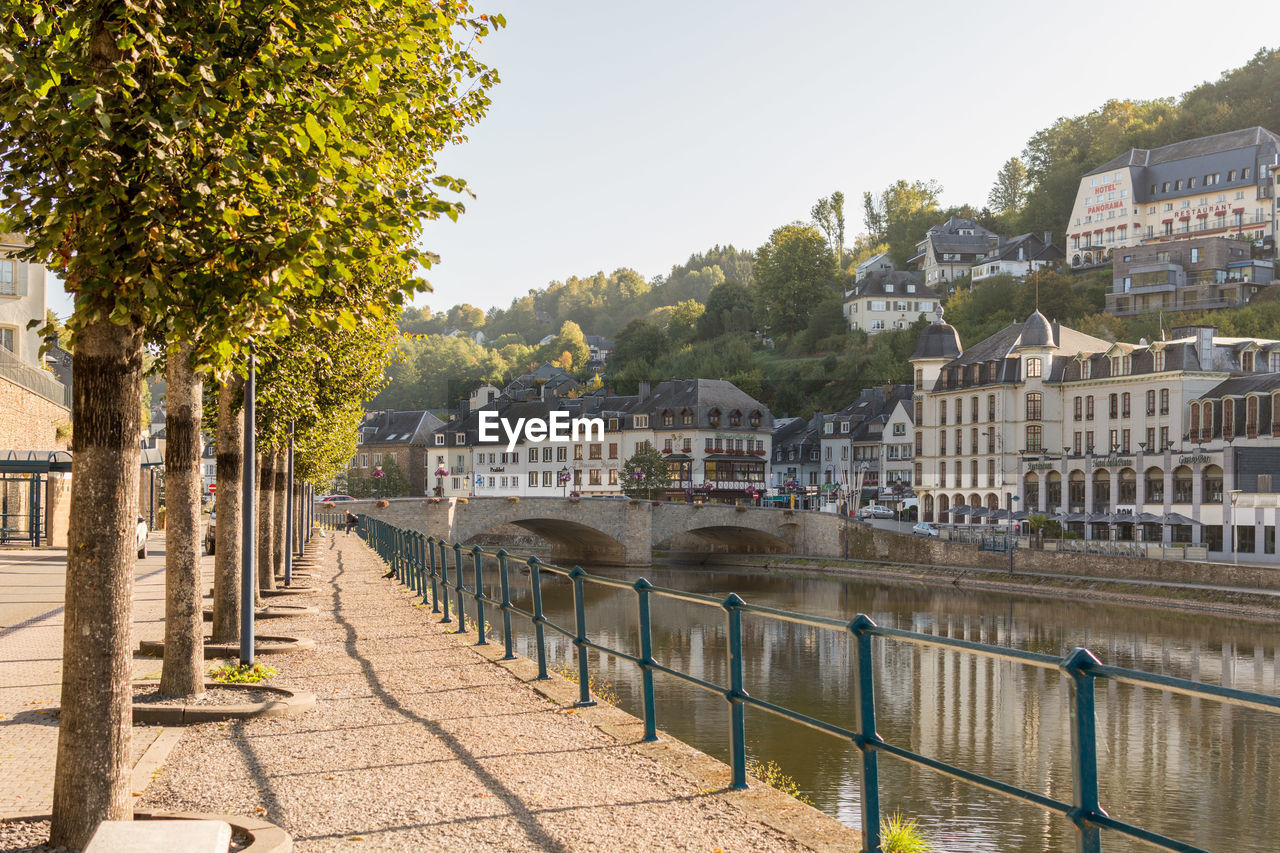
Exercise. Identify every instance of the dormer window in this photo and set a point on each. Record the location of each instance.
(460, 438)
(844, 426)
(1157, 361)
(888, 288)
(686, 418)
(667, 418)
(713, 417)
(1246, 361)
(911, 288)
(642, 422)
(1033, 367)
(735, 418)
(439, 439)
(754, 419)
(1085, 368)
(828, 428)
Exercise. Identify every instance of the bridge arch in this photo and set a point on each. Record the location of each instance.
(731, 537)
(571, 541)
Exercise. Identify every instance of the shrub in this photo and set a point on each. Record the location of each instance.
(242, 673)
(900, 834)
(771, 774)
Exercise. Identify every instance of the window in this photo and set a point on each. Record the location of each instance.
(546, 454)
(1077, 444)
(919, 412)
(1246, 361)
(1113, 408)
(8, 279)
(1088, 408)
(1124, 405)
(1078, 408)
(1114, 444)
(562, 453)
(942, 442)
(973, 441)
(460, 438)
(919, 444)
(942, 474)
(1195, 256)
(546, 479)
(942, 412)
(533, 479)
(364, 460)
(1124, 441)
(991, 407)
(1164, 401)
(595, 451)
(973, 473)
(377, 459)
(613, 476)
(1151, 402)
(577, 453)
(1088, 441)
(1035, 439)
(1033, 367)
(1151, 439)
(642, 422)
(1034, 401)
(1085, 369)
(686, 418)
(667, 418)
(439, 439)
(919, 384)
(593, 477)
(973, 410)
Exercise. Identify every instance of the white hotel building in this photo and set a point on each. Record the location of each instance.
(1144, 442)
(1221, 185)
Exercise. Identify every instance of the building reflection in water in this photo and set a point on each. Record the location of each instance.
(1192, 769)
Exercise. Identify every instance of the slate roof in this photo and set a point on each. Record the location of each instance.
(700, 396)
(1232, 140)
(410, 427)
(1238, 386)
(874, 284)
(938, 340)
(1035, 247)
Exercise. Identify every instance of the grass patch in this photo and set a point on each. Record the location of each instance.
(600, 688)
(770, 773)
(242, 673)
(900, 834)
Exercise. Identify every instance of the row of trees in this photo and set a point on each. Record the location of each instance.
(212, 181)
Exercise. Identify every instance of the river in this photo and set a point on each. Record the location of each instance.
(1191, 769)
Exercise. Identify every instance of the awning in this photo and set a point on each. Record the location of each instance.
(979, 512)
(998, 514)
(1021, 515)
(1148, 518)
(1175, 518)
(962, 509)
(43, 461)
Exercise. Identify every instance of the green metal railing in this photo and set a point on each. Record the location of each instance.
(422, 563)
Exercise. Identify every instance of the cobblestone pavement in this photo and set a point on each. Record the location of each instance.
(31, 598)
(419, 742)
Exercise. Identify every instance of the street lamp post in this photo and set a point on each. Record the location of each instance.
(1235, 554)
(1013, 499)
(441, 473)
(564, 480)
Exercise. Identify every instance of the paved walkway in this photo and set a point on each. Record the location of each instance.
(421, 742)
(31, 617)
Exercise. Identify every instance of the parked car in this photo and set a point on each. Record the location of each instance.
(875, 511)
(210, 533)
(142, 538)
(333, 498)
(924, 528)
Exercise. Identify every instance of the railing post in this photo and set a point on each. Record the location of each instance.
(642, 587)
(478, 554)
(737, 711)
(580, 636)
(864, 703)
(421, 541)
(444, 580)
(457, 569)
(503, 578)
(539, 629)
(1084, 750)
(435, 591)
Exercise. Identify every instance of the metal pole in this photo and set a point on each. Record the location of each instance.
(507, 652)
(642, 588)
(288, 514)
(737, 711)
(478, 555)
(247, 522)
(1084, 751)
(580, 638)
(864, 706)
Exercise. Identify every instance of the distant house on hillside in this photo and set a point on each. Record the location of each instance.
(949, 251)
(1018, 257)
(892, 299)
(879, 263)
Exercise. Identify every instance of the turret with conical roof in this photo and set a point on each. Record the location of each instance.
(1037, 332)
(938, 340)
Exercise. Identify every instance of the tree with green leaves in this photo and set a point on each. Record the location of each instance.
(901, 214)
(645, 474)
(730, 308)
(794, 271)
(1010, 190)
(188, 173)
(828, 217)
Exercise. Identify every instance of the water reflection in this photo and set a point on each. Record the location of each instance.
(1189, 768)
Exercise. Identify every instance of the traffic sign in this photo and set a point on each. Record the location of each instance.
(213, 487)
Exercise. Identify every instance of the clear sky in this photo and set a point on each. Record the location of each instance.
(635, 134)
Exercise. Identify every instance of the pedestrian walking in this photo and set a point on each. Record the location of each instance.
(350, 521)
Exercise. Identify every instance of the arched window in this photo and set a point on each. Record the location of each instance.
(973, 410)
(1206, 420)
(1033, 367)
(1034, 400)
(686, 417)
(754, 419)
(1195, 422)
(1228, 419)
(1251, 418)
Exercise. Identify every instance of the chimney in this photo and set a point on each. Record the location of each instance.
(1204, 346)
(644, 389)
(1048, 238)
(886, 391)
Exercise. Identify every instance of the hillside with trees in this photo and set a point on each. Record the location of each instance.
(770, 319)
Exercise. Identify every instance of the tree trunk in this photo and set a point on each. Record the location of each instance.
(91, 781)
(278, 499)
(182, 673)
(229, 505)
(266, 488)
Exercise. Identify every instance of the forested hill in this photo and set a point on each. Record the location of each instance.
(770, 319)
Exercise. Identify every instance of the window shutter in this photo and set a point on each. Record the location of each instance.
(20, 274)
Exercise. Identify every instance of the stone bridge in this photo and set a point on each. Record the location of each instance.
(617, 531)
